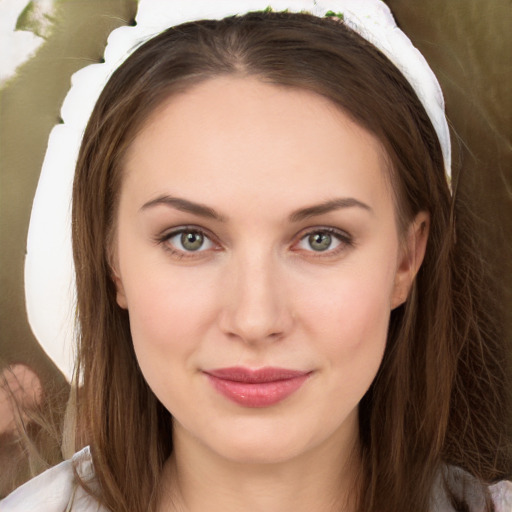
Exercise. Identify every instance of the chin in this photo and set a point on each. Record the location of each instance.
(262, 442)
(260, 452)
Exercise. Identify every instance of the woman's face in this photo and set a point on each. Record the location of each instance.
(258, 256)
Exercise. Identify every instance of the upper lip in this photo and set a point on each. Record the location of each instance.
(255, 376)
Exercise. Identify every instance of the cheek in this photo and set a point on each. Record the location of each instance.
(348, 319)
(353, 307)
(169, 310)
(169, 319)
(354, 352)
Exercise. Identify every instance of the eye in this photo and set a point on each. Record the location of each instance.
(325, 240)
(321, 241)
(188, 240)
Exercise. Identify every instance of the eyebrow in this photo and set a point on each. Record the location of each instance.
(185, 205)
(203, 210)
(327, 207)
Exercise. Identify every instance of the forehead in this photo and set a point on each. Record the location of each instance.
(240, 136)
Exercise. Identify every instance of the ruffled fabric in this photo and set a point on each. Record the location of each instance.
(501, 494)
(56, 490)
(468, 489)
(49, 276)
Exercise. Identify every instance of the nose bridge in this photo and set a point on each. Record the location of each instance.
(256, 308)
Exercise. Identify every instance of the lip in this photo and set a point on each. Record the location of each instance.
(262, 387)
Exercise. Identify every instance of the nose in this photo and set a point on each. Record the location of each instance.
(256, 306)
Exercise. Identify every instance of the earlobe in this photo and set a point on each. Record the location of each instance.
(410, 258)
(113, 264)
(120, 293)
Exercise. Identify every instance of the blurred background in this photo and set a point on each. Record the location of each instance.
(468, 43)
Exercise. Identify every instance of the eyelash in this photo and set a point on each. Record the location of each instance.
(345, 241)
(178, 253)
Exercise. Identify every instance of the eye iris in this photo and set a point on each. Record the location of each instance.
(192, 240)
(320, 241)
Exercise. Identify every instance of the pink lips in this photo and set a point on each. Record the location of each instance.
(256, 388)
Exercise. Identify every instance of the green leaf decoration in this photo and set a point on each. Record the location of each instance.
(332, 14)
(269, 9)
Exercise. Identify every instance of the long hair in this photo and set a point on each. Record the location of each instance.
(439, 395)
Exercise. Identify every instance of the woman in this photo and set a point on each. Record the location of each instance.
(273, 312)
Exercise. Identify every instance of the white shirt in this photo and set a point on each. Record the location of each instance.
(56, 490)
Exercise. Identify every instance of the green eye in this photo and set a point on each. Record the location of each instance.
(192, 240)
(185, 241)
(320, 241)
(188, 240)
(329, 241)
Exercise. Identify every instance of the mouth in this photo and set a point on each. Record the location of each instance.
(263, 387)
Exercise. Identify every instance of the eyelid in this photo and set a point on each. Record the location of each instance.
(346, 240)
(165, 236)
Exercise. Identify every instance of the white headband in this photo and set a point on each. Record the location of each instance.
(49, 281)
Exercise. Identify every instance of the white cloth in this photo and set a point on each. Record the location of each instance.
(466, 488)
(56, 490)
(49, 275)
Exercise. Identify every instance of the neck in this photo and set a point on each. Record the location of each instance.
(324, 479)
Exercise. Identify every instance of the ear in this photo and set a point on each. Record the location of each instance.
(118, 282)
(410, 258)
(120, 293)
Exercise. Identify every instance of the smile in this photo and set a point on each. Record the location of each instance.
(256, 388)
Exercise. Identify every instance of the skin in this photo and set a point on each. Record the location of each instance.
(20, 390)
(256, 293)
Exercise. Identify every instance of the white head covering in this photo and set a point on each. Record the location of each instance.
(49, 281)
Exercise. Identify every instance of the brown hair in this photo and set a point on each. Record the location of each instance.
(439, 395)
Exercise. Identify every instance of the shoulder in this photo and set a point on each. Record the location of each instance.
(56, 489)
(469, 490)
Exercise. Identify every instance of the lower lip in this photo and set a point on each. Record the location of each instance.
(259, 394)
